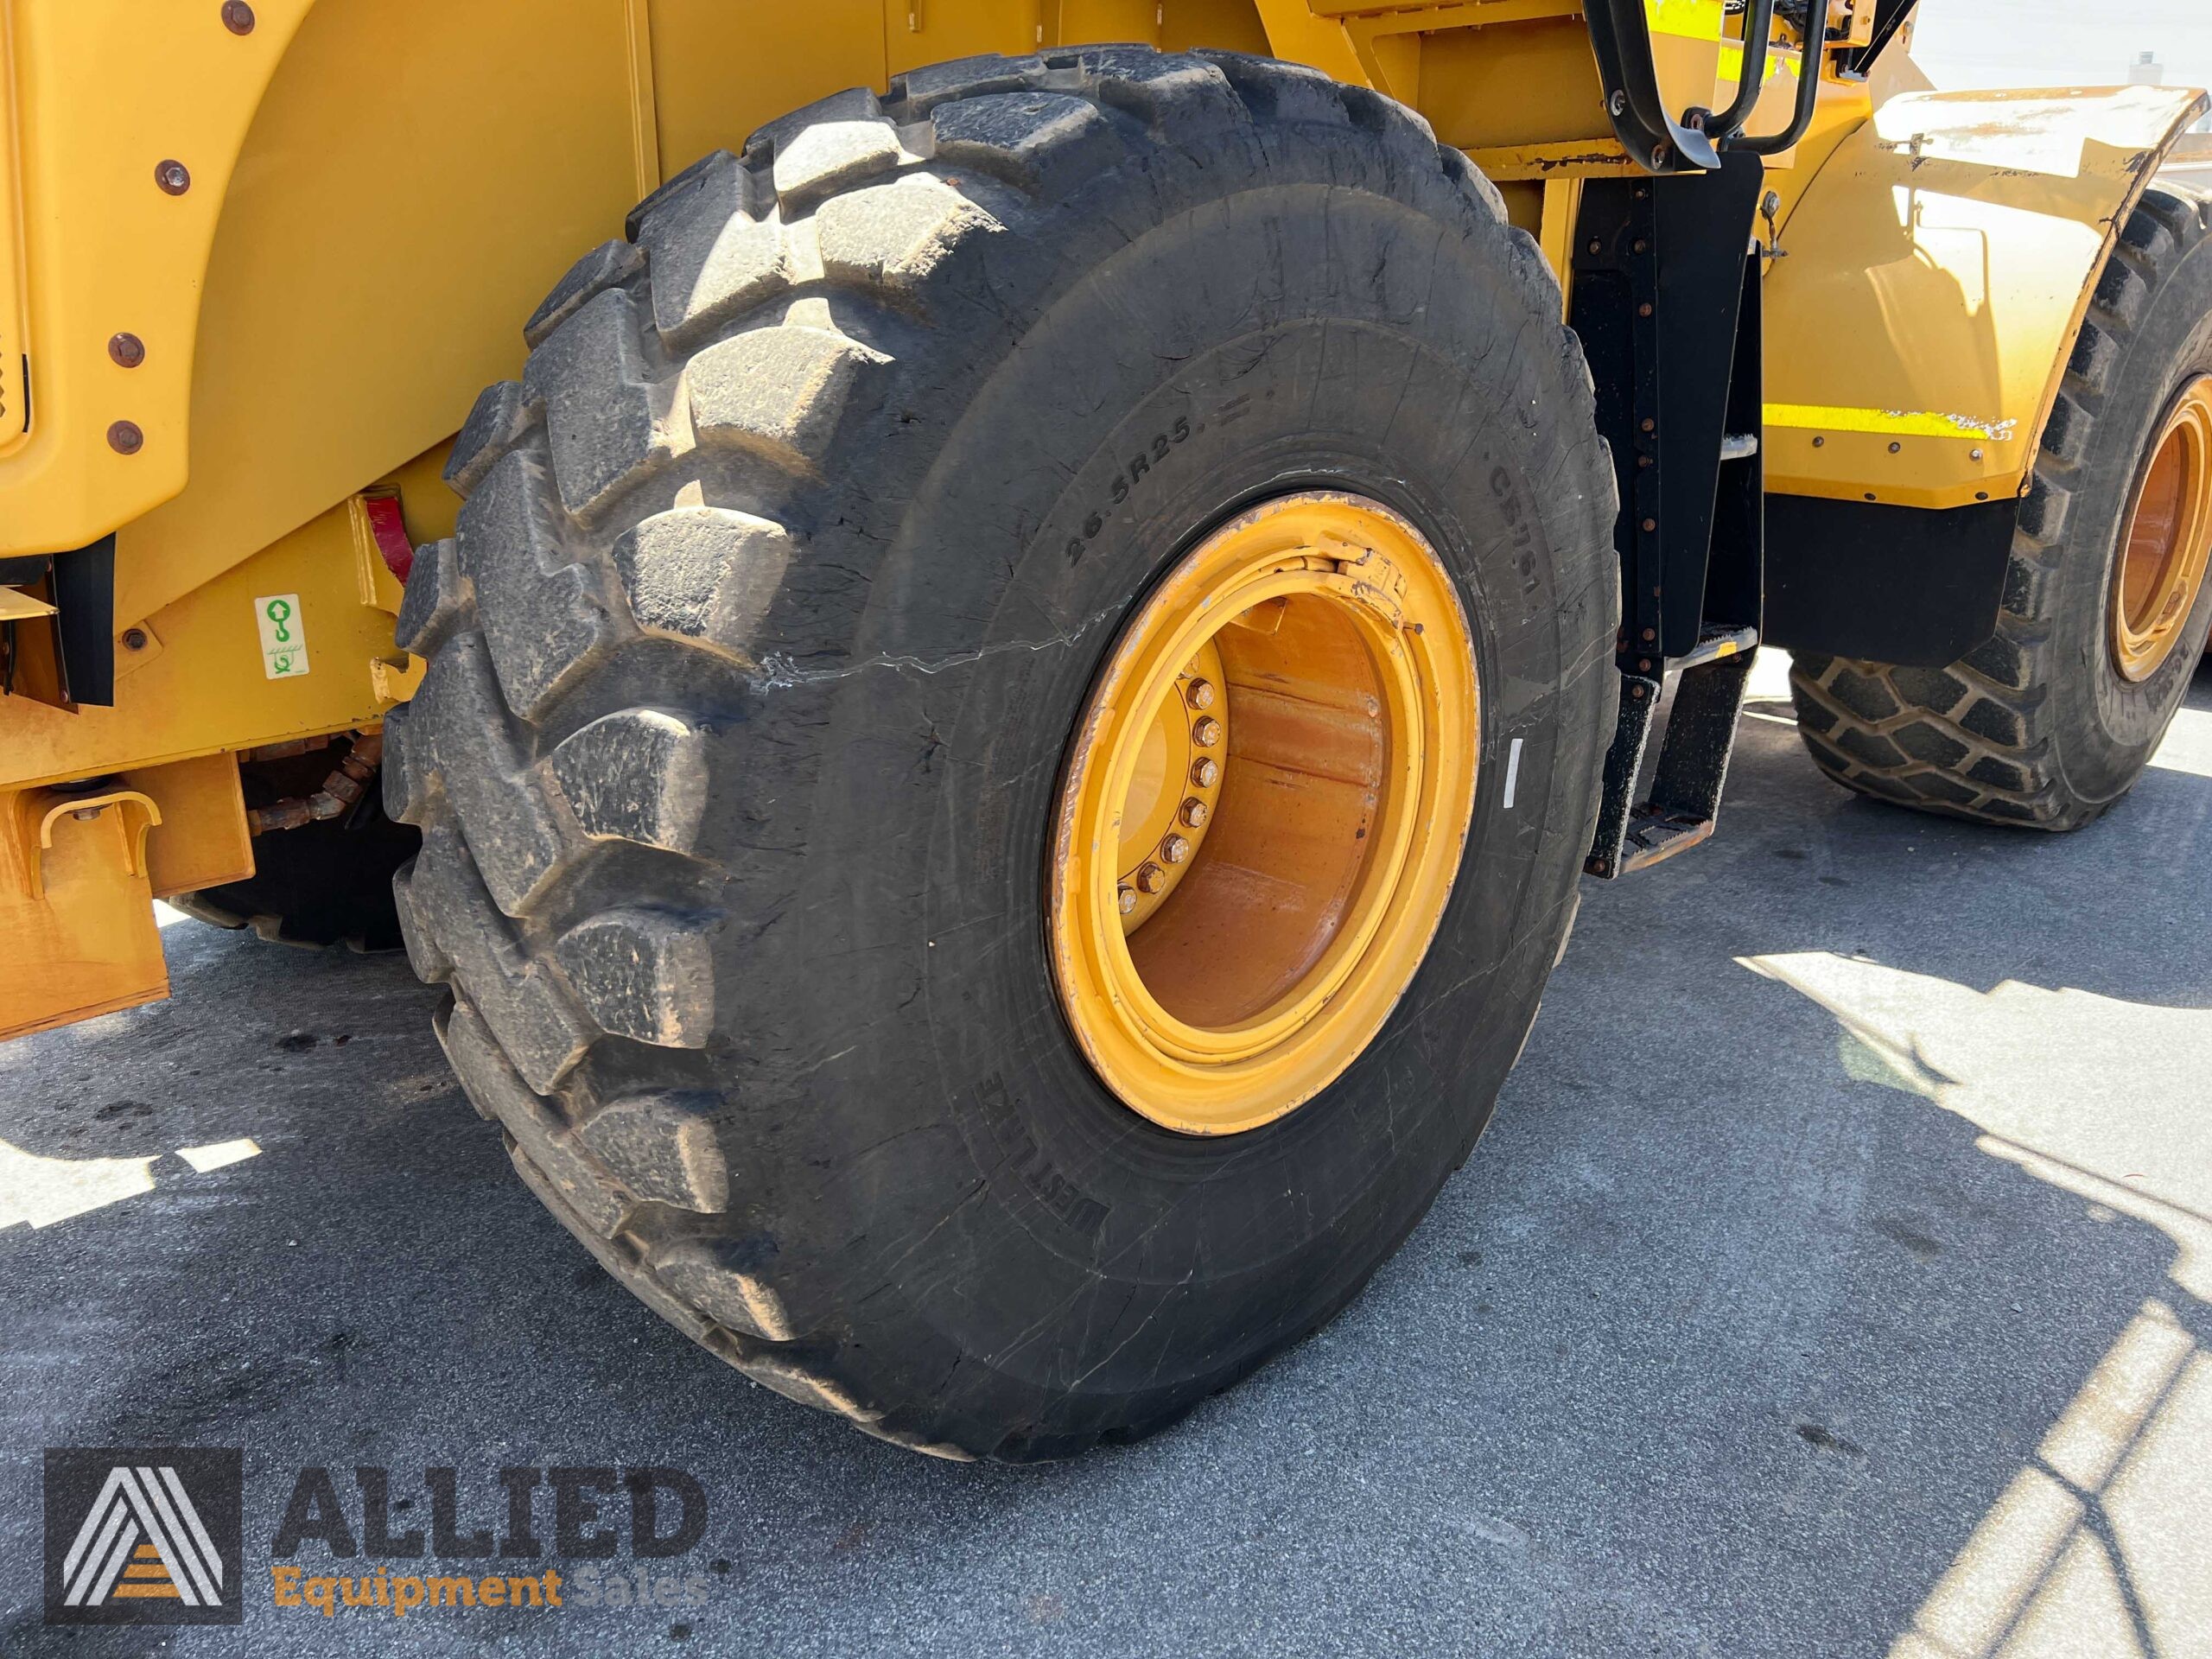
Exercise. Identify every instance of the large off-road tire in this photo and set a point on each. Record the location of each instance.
(783, 573)
(325, 883)
(2038, 726)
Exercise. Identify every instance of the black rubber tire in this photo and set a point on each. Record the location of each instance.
(322, 884)
(735, 814)
(2036, 727)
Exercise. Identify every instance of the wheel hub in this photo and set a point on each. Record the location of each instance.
(1262, 813)
(1173, 791)
(2168, 541)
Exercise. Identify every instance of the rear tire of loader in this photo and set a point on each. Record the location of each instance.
(782, 576)
(2039, 725)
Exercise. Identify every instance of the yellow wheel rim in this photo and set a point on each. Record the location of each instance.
(1264, 811)
(2168, 541)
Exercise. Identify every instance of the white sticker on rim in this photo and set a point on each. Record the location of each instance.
(283, 635)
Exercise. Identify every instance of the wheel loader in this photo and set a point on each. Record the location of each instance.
(994, 722)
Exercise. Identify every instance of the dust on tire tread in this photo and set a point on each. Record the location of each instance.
(1139, 97)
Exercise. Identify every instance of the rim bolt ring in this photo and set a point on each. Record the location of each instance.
(1200, 694)
(1206, 773)
(1125, 899)
(1207, 733)
(1175, 848)
(1194, 812)
(1151, 878)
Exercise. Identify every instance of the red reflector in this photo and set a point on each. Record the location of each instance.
(391, 532)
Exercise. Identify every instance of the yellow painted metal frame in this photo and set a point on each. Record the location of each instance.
(15, 407)
(76, 908)
(213, 281)
(78, 873)
(1937, 275)
(103, 90)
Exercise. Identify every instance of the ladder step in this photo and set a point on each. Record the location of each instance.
(1654, 836)
(1685, 799)
(1714, 644)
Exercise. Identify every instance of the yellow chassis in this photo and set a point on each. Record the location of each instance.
(368, 196)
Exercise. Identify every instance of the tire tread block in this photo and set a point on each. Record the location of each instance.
(455, 933)
(543, 618)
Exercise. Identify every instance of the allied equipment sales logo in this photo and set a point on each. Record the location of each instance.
(143, 1535)
(153, 1536)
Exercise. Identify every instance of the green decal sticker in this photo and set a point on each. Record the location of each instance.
(283, 635)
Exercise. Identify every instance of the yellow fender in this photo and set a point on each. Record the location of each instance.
(142, 112)
(372, 195)
(1934, 278)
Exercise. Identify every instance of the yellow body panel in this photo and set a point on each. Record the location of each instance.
(105, 90)
(202, 841)
(419, 173)
(1937, 273)
(918, 32)
(717, 68)
(15, 409)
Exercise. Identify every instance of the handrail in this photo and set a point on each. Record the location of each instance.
(1751, 81)
(1622, 39)
(1809, 96)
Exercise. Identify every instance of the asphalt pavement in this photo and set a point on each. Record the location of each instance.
(1835, 1278)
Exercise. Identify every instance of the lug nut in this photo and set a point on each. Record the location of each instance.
(1201, 695)
(1194, 812)
(1151, 878)
(1207, 733)
(1126, 898)
(1205, 772)
(1175, 848)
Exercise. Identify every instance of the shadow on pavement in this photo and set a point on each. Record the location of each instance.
(1831, 1281)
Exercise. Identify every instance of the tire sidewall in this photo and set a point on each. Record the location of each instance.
(1022, 548)
(2108, 725)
